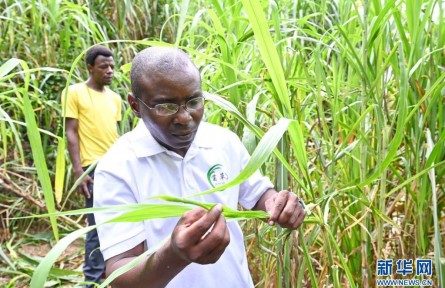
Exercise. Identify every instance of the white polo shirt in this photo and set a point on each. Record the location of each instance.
(137, 167)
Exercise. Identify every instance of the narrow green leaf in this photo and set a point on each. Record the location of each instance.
(438, 249)
(6, 259)
(137, 213)
(60, 170)
(127, 267)
(85, 173)
(340, 257)
(8, 66)
(180, 25)
(41, 272)
(37, 151)
(226, 105)
(268, 52)
(228, 212)
(259, 156)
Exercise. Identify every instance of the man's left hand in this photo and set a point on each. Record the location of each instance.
(285, 209)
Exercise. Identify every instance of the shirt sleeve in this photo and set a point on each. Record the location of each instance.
(70, 108)
(113, 186)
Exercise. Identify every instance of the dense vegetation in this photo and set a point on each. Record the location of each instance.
(362, 80)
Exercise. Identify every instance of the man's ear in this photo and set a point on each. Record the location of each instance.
(90, 68)
(134, 105)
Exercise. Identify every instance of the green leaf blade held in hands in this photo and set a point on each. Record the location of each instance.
(228, 212)
(136, 213)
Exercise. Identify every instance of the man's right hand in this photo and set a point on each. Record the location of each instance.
(201, 236)
(85, 185)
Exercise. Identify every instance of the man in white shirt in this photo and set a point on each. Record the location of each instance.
(171, 152)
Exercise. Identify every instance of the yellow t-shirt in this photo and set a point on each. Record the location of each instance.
(97, 114)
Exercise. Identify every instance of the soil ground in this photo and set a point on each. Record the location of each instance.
(27, 252)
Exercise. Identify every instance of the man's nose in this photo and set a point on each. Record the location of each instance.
(183, 116)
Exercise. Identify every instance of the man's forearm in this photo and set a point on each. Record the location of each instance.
(156, 270)
(74, 150)
(260, 205)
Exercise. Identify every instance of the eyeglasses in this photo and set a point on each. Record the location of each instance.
(168, 109)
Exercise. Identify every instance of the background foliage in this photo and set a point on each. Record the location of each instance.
(364, 80)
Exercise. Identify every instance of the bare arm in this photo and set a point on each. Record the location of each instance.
(190, 242)
(283, 207)
(72, 136)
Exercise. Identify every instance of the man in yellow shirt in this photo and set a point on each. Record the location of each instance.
(91, 111)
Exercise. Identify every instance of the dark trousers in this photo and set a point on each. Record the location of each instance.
(94, 265)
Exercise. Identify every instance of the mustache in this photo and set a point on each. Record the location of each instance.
(183, 129)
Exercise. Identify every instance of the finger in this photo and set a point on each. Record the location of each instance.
(88, 180)
(180, 238)
(292, 208)
(85, 190)
(297, 216)
(217, 231)
(191, 217)
(214, 255)
(269, 207)
(300, 220)
(278, 205)
(293, 214)
(202, 225)
(295, 220)
(213, 245)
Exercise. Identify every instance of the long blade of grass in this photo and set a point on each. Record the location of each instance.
(340, 257)
(130, 265)
(307, 259)
(6, 259)
(136, 211)
(259, 156)
(438, 250)
(41, 272)
(269, 53)
(84, 174)
(8, 66)
(226, 55)
(37, 151)
(226, 105)
(139, 213)
(227, 212)
(19, 147)
(182, 14)
(60, 170)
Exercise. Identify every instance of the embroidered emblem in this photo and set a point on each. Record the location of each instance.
(217, 175)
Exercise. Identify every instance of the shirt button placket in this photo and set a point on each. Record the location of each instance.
(189, 182)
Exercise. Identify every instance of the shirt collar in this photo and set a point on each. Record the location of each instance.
(145, 145)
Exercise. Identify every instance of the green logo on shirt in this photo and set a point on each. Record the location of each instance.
(217, 176)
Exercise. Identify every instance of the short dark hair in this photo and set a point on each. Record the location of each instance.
(157, 60)
(95, 51)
